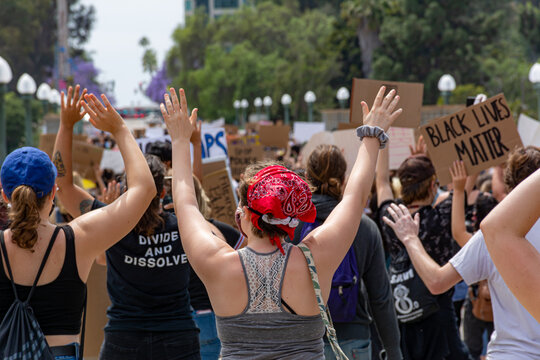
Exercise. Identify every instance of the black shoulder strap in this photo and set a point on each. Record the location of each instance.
(6, 259)
(45, 257)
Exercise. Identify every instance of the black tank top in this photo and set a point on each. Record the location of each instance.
(57, 305)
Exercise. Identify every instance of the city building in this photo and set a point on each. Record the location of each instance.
(214, 8)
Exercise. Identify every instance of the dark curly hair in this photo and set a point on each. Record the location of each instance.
(521, 163)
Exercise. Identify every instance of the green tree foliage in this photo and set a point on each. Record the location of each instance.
(28, 34)
(149, 59)
(269, 49)
(15, 120)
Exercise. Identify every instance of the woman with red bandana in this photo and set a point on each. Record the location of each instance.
(263, 295)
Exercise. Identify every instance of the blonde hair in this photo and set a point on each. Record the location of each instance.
(24, 216)
(203, 202)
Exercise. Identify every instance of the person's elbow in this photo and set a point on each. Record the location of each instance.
(437, 286)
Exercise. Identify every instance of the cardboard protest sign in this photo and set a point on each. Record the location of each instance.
(112, 159)
(217, 186)
(274, 135)
(241, 155)
(96, 319)
(430, 112)
(411, 95)
(303, 131)
(398, 146)
(346, 140)
(212, 165)
(84, 155)
(529, 130)
(213, 141)
(481, 135)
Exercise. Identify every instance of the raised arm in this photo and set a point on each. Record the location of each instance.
(438, 279)
(382, 177)
(459, 179)
(72, 196)
(197, 151)
(98, 230)
(497, 184)
(201, 246)
(330, 242)
(516, 259)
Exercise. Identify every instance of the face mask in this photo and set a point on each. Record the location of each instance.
(238, 218)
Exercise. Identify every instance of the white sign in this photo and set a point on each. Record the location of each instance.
(398, 146)
(112, 159)
(529, 130)
(214, 141)
(303, 131)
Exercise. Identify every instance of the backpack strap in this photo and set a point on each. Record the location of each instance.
(6, 259)
(83, 330)
(45, 257)
(327, 319)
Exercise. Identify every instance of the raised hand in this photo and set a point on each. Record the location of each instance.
(111, 193)
(71, 107)
(175, 113)
(459, 175)
(404, 226)
(196, 135)
(105, 118)
(420, 148)
(382, 113)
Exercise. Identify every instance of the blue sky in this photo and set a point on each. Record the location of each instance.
(114, 40)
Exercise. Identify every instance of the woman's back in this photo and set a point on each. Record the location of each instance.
(147, 281)
(264, 329)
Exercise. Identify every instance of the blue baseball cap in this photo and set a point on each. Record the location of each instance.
(28, 166)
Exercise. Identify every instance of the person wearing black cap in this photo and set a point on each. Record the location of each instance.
(28, 181)
(427, 323)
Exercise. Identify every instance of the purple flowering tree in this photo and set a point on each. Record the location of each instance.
(158, 85)
(85, 74)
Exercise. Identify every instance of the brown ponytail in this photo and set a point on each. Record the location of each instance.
(152, 217)
(325, 171)
(24, 216)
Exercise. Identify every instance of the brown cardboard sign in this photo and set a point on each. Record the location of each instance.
(218, 188)
(242, 155)
(213, 166)
(411, 95)
(274, 135)
(481, 135)
(84, 155)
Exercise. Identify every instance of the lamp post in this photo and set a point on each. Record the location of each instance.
(236, 105)
(5, 78)
(54, 99)
(446, 85)
(258, 103)
(26, 86)
(534, 77)
(244, 104)
(44, 94)
(342, 96)
(286, 102)
(310, 98)
(267, 101)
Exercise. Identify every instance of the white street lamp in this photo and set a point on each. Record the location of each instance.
(534, 77)
(44, 94)
(244, 104)
(5, 78)
(342, 96)
(267, 101)
(286, 102)
(446, 85)
(310, 98)
(26, 86)
(258, 103)
(236, 105)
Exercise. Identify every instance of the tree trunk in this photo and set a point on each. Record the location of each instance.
(368, 39)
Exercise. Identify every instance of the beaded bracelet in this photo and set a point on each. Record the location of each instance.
(372, 131)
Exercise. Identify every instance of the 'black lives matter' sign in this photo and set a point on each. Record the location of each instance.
(481, 135)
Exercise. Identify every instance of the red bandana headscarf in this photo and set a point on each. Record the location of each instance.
(280, 193)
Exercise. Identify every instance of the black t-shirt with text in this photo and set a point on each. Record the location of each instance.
(147, 281)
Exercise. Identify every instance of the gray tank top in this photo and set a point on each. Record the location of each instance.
(264, 330)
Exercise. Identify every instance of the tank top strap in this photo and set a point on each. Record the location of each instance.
(264, 276)
(70, 260)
